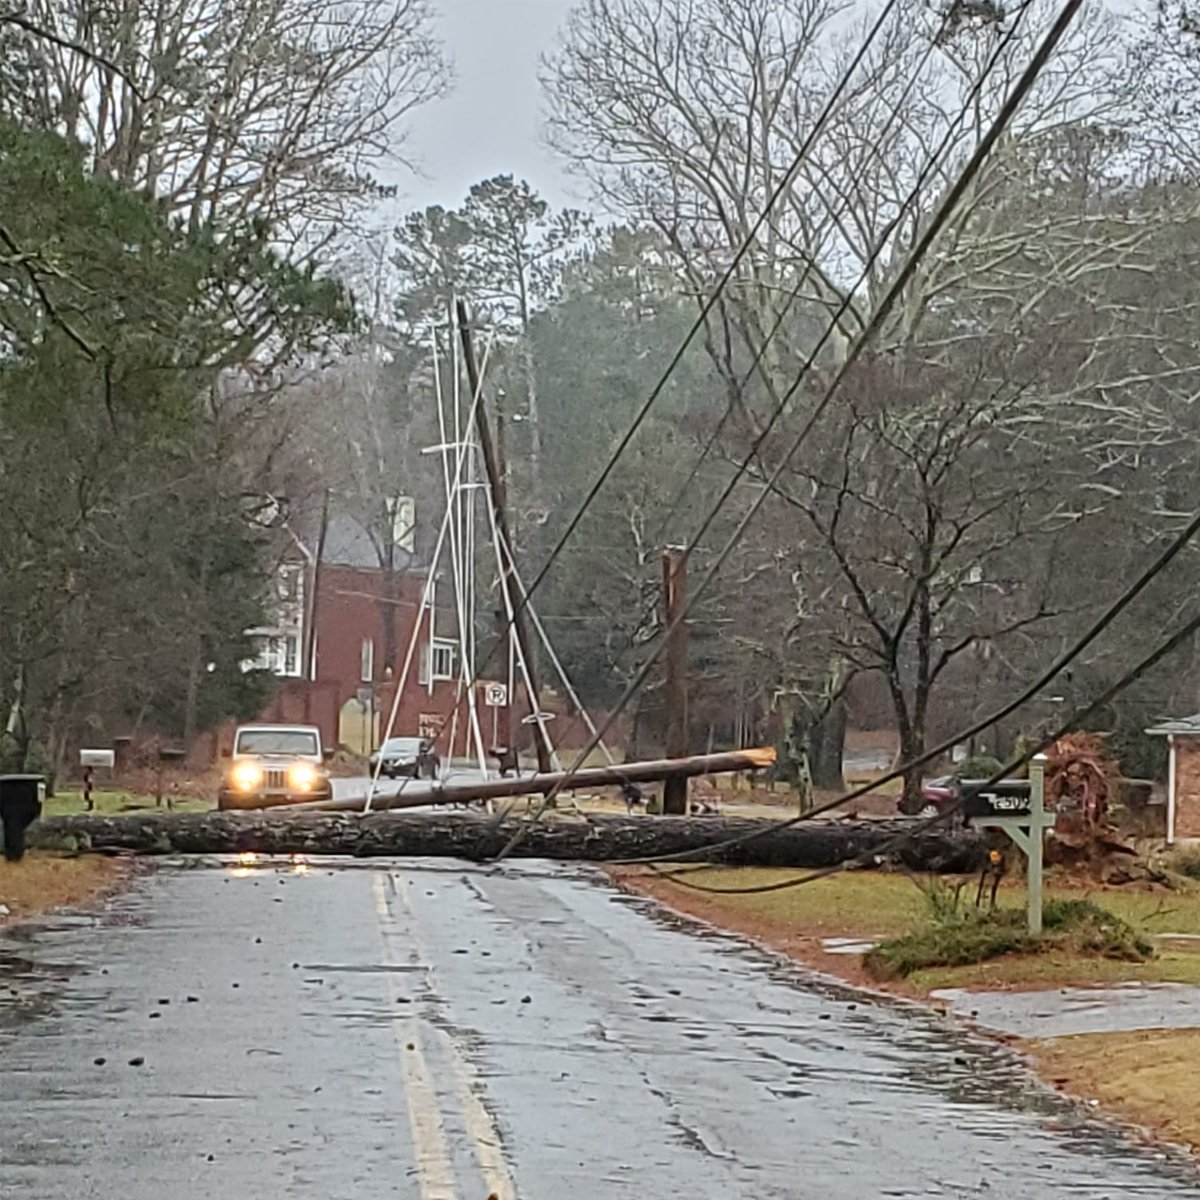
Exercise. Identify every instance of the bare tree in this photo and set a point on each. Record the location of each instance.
(689, 117)
(274, 111)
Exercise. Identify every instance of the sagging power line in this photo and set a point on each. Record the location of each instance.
(942, 215)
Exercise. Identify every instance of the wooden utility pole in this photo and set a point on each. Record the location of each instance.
(497, 494)
(308, 666)
(502, 630)
(675, 787)
(585, 779)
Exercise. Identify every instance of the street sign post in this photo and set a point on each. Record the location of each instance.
(495, 695)
(1018, 807)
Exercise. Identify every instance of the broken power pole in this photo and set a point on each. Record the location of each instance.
(675, 787)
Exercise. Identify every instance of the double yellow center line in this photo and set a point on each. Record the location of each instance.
(434, 1163)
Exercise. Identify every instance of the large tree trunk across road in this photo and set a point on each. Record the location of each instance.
(475, 837)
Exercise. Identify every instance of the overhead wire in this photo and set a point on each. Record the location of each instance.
(1101, 623)
(932, 230)
(794, 294)
(1181, 635)
(747, 243)
(742, 250)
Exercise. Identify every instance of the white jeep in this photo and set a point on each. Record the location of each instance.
(275, 764)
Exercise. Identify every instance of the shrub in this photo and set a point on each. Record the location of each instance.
(972, 940)
(979, 766)
(1186, 861)
(955, 936)
(1086, 928)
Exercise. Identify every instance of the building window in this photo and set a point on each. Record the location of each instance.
(368, 661)
(276, 652)
(441, 659)
(402, 517)
(291, 655)
(288, 583)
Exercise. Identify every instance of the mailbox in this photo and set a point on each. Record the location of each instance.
(98, 758)
(1004, 798)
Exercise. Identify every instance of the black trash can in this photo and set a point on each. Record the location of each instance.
(21, 799)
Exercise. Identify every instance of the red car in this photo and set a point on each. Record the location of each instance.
(937, 796)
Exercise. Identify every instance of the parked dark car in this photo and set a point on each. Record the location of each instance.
(406, 757)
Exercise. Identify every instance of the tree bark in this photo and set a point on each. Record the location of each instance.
(477, 838)
(195, 669)
(826, 742)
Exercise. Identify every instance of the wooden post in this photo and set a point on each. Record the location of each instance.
(503, 631)
(675, 788)
(1037, 841)
(497, 496)
(308, 666)
(584, 780)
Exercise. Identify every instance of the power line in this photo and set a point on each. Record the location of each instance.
(743, 249)
(794, 294)
(1110, 614)
(844, 306)
(1131, 676)
(942, 215)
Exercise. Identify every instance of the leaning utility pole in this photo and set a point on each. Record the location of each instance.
(498, 499)
(501, 618)
(674, 564)
(308, 669)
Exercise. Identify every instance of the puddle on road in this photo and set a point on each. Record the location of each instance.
(29, 986)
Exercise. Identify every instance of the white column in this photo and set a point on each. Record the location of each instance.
(1171, 778)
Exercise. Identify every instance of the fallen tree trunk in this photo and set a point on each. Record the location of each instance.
(478, 838)
(583, 780)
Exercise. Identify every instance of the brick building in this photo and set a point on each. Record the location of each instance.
(355, 621)
(1183, 776)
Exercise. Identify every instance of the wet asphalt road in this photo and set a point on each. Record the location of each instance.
(450, 1034)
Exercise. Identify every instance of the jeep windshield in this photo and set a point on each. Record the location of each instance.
(276, 741)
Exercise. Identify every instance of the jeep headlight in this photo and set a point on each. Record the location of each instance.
(303, 777)
(246, 776)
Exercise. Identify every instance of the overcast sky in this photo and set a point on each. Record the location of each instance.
(489, 124)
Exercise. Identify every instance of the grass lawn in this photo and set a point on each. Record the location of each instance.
(1148, 1077)
(43, 881)
(871, 905)
(112, 802)
(857, 903)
